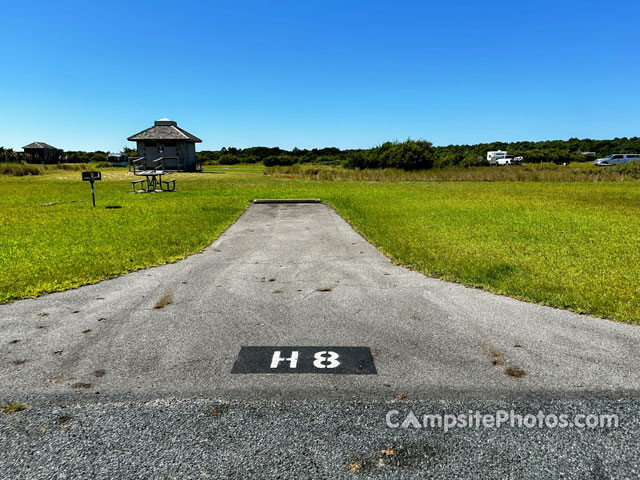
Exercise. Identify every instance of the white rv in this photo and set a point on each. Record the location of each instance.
(500, 157)
(493, 157)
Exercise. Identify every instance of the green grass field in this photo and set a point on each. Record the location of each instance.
(568, 244)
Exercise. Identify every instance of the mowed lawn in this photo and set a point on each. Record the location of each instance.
(569, 245)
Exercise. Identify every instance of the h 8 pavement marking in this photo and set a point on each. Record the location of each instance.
(336, 360)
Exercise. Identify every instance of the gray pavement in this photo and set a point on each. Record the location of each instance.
(196, 439)
(298, 275)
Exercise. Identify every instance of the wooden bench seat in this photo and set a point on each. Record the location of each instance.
(142, 185)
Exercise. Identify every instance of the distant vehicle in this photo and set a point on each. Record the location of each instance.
(117, 159)
(493, 157)
(500, 157)
(617, 159)
(509, 160)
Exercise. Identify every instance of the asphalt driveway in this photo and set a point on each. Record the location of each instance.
(299, 275)
(293, 276)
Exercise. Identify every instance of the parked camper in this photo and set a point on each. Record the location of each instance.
(493, 157)
(500, 157)
(617, 159)
(117, 159)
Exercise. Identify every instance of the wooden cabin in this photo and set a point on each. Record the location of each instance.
(165, 146)
(43, 153)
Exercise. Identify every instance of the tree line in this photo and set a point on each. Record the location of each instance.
(407, 155)
(421, 154)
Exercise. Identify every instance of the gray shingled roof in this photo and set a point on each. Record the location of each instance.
(164, 130)
(39, 145)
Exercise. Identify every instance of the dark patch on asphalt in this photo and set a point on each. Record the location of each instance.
(277, 291)
(19, 362)
(99, 373)
(327, 288)
(496, 360)
(43, 314)
(219, 410)
(515, 372)
(81, 385)
(76, 311)
(58, 352)
(86, 331)
(40, 327)
(163, 301)
(13, 342)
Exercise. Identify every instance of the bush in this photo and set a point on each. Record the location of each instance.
(408, 155)
(228, 159)
(7, 155)
(69, 166)
(85, 157)
(283, 160)
(19, 169)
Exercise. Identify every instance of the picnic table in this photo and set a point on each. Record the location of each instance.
(153, 182)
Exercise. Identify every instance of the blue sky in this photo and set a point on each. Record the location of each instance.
(86, 75)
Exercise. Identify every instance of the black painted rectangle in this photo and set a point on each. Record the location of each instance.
(331, 360)
(91, 176)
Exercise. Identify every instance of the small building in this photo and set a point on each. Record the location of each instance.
(166, 146)
(43, 152)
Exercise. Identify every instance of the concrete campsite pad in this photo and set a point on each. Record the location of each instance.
(299, 275)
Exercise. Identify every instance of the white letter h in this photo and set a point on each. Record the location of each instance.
(277, 358)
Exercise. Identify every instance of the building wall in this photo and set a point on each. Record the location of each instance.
(47, 155)
(150, 152)
(190, 156)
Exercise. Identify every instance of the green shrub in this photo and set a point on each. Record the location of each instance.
(68, 166)
(283, 160)
(228, 159)
(19, 169)
(408, 155)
